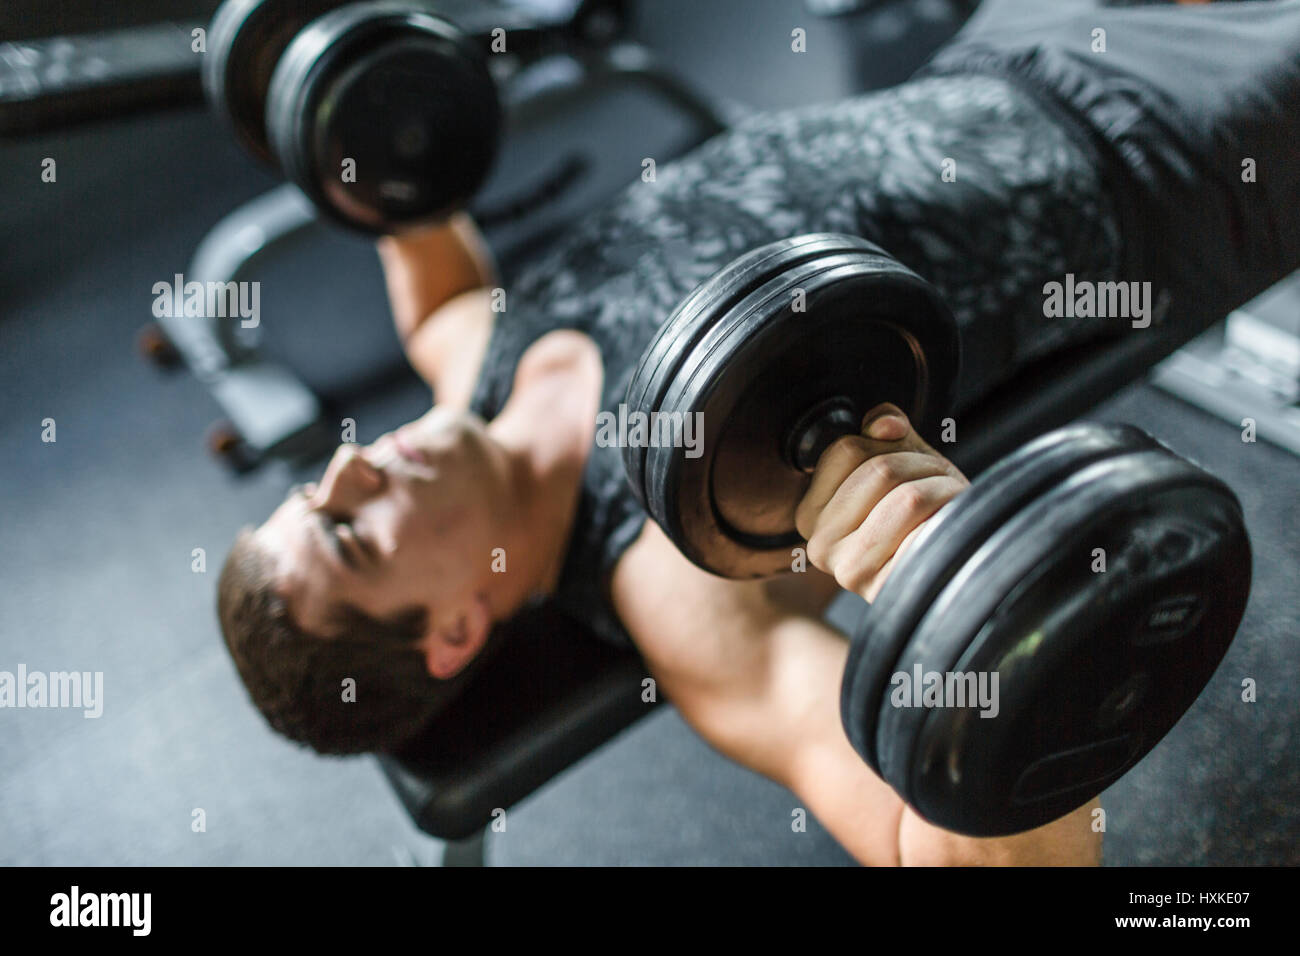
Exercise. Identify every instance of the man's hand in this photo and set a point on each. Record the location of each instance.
(868, 498)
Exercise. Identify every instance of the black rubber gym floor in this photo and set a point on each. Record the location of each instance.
(99, 530)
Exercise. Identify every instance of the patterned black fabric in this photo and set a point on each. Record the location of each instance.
(1178, 104)
(1025, 208)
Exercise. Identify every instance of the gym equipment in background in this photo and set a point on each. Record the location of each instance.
(563, 61)
(384, 113)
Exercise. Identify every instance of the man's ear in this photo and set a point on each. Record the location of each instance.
(448, 649)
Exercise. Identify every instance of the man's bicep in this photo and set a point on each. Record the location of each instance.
(748, 674)
(685, 622)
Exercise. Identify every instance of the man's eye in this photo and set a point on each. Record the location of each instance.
(354, 541)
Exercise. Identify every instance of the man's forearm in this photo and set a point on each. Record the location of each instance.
(426, 269)
(859, 809)
(438, 283)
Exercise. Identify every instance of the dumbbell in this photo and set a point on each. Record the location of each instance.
(401, 88)
(1096, 574)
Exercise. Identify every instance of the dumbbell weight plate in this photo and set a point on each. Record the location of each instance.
(403, 94)
(944, 544)
(245, 41)
(1094, 668)
(871, 331)
(704, 308)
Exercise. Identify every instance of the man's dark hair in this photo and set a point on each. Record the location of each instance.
(296, 679)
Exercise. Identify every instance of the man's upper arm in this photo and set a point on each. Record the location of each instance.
(750, 670)
(425, 268)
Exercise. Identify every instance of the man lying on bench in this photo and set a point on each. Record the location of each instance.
(1118, 163)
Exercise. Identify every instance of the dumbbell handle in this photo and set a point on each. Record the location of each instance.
(817, 429)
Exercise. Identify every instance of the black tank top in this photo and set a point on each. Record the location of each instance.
(1194, 112)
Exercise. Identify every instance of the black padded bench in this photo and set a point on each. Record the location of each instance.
(549, 696)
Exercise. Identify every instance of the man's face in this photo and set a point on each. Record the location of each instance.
(390, 526)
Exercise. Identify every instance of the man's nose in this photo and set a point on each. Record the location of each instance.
(349, 480)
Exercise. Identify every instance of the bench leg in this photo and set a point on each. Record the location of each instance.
(466, 852)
